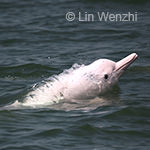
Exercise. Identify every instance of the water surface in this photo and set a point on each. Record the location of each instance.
(36, 42)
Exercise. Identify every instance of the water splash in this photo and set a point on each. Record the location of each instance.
(46, 93)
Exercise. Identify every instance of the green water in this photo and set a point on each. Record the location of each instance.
(36, 42)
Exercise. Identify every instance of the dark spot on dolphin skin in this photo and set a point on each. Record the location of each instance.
(106, 76)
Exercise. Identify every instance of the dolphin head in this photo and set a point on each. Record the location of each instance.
(109, 71)
(96, 78)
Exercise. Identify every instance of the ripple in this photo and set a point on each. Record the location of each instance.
(26, 71)
(51, 132)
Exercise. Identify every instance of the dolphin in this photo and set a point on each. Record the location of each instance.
(85, 82)
(92, 80)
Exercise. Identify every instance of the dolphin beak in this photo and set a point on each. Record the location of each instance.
(124, 63)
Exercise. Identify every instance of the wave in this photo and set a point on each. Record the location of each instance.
(123, 1)
(25, 71)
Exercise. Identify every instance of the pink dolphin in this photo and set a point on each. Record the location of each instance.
(81, 83)
(96, 78)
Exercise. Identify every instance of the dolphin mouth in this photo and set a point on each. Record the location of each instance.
(126, 62)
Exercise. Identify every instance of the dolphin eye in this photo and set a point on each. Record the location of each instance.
(106, 76)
